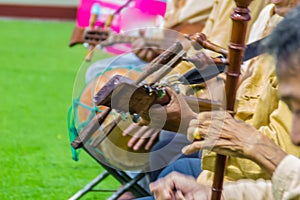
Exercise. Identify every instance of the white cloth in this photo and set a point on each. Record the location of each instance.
(285, 184)
(286, 179)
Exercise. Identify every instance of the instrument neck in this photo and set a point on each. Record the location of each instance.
(119, 38)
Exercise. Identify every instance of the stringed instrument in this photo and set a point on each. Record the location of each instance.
(97, 131)
(125, 95)
(122, 94)
(145, 95)
(106, 38)
(101, 128)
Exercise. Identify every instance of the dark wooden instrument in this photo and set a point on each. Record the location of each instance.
(105, 38)
(130, 97)
(171, 54)
(136, 98)
(97, 131)
(240, 18)
(122, 94)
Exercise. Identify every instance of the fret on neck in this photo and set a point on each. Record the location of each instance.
(118, 38)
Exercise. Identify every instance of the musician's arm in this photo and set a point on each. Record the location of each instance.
(179, 186)
(225, 135)
(285, 184)
(176, 184)
(246, 189)
(145, 51)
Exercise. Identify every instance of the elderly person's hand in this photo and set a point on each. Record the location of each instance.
(146, 51)
(218, 131)
(176, 186)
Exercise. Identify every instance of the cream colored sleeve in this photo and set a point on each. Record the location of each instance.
(248, 190)
(286, 179)
(285, 184)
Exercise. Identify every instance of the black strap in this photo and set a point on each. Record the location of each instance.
(254, 49)
(196, 76)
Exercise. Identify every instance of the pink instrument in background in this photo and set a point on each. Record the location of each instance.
(127, 15)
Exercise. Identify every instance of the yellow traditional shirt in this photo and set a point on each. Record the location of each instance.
(218, 26)
(285, 184)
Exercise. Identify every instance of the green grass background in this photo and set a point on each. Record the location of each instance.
(37, 72)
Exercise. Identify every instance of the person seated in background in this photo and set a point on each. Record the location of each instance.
(231, 137)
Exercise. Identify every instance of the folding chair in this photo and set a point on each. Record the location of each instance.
(128, 183)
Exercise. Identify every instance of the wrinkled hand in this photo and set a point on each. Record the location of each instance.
(141, 136)
(176, 186)
(175, 116)
(220, 132)
(145, 51)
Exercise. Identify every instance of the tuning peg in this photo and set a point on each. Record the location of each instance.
(95, 12)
